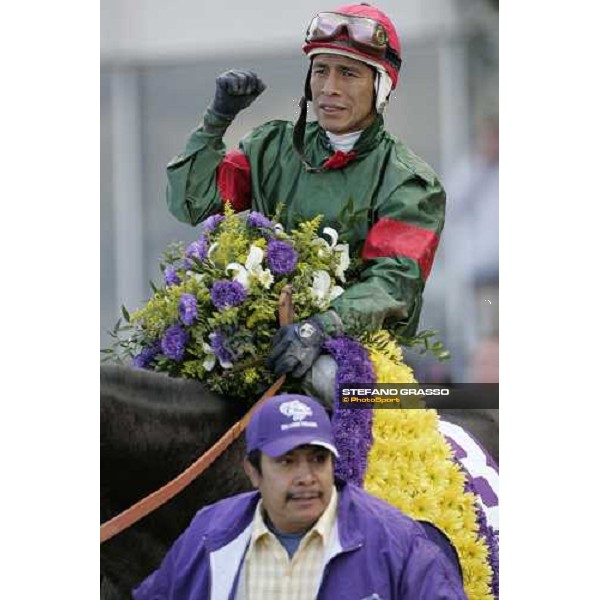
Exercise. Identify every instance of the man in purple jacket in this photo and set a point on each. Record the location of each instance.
(302, 536)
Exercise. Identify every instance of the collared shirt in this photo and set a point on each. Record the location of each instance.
(269, 574)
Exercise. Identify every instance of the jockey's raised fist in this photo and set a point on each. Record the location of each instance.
(236, 90)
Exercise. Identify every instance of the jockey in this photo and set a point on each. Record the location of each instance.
(386, 202)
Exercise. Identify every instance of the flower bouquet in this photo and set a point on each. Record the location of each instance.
(214, 317)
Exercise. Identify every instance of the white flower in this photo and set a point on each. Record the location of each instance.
(322, 291)
(211, 359)
(255, 257)
(197, 276)
(336, 291)
(266, 278)
(278, 228)
(333, 234)
(225, 363)
(326, 248)
(241, 274)
(253, 267)
(343, 252)
(320, 288)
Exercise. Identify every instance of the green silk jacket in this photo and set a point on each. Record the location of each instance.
(398, 205)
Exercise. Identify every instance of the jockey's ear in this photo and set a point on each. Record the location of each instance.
(252, 472)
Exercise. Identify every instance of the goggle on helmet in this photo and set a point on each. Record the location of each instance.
(363, 33)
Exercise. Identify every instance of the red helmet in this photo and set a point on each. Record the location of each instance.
(359, 31)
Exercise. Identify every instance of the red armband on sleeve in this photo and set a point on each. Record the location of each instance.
(388, 238)
(233, 180)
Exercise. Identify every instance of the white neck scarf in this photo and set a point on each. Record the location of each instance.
(345, 141)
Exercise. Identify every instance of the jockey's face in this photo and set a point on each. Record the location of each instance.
(343, 93)
(295, 488)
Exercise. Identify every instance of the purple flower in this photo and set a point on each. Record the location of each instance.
(352, 428)
(199, 249)
(211, 223)
(171, 277)
(486, 531)
(282, 258)
(173, 342)
(256, 219)
(222, 352)
(187, 308)
(143, 359)
(227, 293)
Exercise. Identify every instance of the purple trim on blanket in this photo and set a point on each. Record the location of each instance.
(479, 486)
(489, 461)
(459, 451)
(482, 487)
(491, 536)
(352, 428)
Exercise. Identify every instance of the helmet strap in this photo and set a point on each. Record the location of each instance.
(300, 125)
(383, 88)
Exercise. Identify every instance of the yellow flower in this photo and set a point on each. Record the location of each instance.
(424, 506)
(456, 477)
(450, 522)
(251, 375)
(473, 549)
(411, 466)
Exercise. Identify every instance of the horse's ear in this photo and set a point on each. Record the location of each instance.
(252, 472)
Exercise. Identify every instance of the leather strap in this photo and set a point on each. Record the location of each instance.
(157, 498)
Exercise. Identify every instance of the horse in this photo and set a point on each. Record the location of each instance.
(152, 428)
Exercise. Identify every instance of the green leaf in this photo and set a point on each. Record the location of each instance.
(125, 313)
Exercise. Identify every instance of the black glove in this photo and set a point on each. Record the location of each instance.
(236, 90)
(296, 347)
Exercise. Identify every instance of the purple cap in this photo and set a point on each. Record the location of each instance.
(287, 421)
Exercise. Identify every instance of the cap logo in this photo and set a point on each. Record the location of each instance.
(296, 409)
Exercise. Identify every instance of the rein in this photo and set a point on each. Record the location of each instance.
(157, 498)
